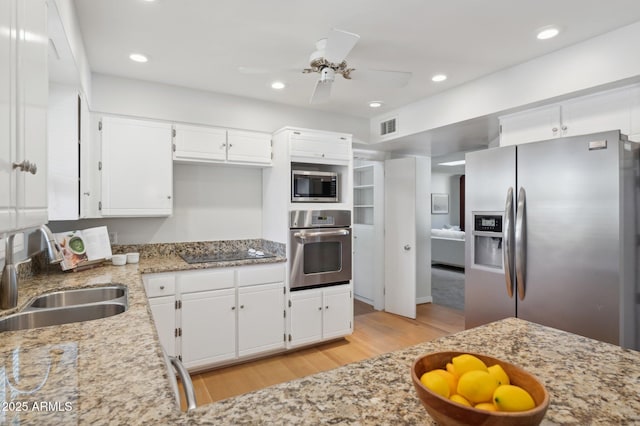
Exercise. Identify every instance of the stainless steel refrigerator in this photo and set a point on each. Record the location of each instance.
(552, 234)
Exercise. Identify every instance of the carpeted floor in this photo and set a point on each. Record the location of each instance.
(447, 286)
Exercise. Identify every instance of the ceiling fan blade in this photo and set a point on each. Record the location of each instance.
(321, 92)
(394, 79)
(339, 44)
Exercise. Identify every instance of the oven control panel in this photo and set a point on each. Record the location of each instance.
(318, 220)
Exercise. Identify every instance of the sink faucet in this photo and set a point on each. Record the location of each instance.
(9, 280)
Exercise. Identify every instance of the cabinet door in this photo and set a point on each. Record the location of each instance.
(62, 131)
(364, 263)
(249, 147)
(305, 324)
(7, 111)
(200, 143)
(320, 146)
(31, 95)
(529, 126)
(208, 323)
(337, 312)
(260, 318)
(163, 310)
(598, 113)
(137, 166)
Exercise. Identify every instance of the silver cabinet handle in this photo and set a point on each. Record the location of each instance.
(233, 308)
(189, 392)
(26, 166)
(241, 306)
(86, 193)
(230, 145)
(564, 128)
(319, 308)
(521, 243)
(554, 130)
(507, 237)
(407, 247)
(161, 287)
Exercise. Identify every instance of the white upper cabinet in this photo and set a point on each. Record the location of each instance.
(199, 143)
(599, 112)
(137, 168)
(23, 114)
(7, 111)
(529, 126)
(249, 147)
(610, 110)
(202, 144)
(320, 147)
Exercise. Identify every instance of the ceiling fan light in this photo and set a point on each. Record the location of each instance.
(278, 85)
(438, 78)
(375, 104)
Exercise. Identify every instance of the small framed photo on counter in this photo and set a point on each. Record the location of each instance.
(439, 203)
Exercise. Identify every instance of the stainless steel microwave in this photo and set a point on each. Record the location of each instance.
(314, 186)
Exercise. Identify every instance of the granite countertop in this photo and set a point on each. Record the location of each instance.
(112, 371)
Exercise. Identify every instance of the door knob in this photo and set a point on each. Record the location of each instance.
(407, 247)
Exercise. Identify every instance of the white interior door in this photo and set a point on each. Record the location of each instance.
(400, 236)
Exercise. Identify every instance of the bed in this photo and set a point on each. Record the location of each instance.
(447, 247)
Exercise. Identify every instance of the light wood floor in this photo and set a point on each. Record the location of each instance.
(374, 333)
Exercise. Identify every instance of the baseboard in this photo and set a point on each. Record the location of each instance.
(426, 299)
(363, 299)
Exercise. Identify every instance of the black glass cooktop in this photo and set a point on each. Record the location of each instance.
(225, 256)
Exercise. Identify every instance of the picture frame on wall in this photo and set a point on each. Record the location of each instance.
(439, 203)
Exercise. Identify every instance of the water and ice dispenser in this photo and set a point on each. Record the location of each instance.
(487, 239)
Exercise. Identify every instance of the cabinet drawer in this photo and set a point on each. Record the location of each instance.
(160, 285)
(190, 282)
(260, 274)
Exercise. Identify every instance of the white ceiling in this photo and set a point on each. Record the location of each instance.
(202, 43)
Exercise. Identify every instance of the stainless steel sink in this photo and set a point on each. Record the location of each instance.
(57, 316)
(80, 296)
(67, 306)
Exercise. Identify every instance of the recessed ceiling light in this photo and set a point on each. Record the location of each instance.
(547, 33)
(375, 104)
(278, 85)
(438, 78)
(138, 57)
(452, 163)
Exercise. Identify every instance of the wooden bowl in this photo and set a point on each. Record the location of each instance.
(446, 412)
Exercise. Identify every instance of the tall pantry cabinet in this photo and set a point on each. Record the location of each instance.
(23, 114)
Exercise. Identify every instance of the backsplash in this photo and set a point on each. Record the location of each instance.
(200, 247)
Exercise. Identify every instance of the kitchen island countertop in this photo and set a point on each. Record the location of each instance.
(111, 372)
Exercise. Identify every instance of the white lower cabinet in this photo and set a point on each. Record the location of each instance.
(320, 314)
(207, 327)
(216, 316)
(163, 310)
(260, 318)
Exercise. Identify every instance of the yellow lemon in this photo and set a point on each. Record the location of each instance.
(486, 406)
(436, 383)
(460, 400)
(450, 378)
(477, 386)
(512, 398)
(498, 372)
(466, 362)
(451, 369)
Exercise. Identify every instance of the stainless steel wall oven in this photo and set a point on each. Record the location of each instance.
(320, 244)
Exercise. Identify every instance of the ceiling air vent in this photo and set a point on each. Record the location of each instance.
(388, 127)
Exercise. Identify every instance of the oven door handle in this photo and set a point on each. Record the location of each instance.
(304, 235)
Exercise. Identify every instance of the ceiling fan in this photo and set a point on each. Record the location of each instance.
(329, 59)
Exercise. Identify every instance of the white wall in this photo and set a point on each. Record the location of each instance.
(211, 202)
(600, 62)
(165, 102)
(446, 183)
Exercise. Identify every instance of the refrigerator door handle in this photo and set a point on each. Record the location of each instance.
(508, 242)
(521, 243)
